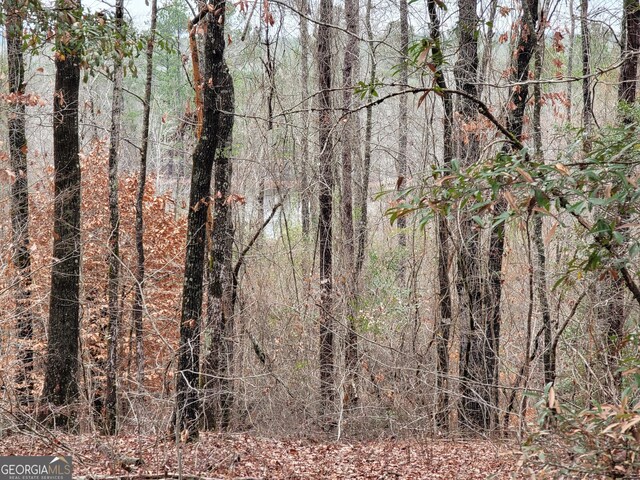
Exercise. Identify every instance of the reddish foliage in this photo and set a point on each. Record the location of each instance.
(164, 247)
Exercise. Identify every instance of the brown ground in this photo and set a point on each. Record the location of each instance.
(248, 457)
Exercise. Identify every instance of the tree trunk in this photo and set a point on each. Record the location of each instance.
(305, 201)
(443, 326)
(481, 408)
(60, 383)
(138, 304)
(327, 387)
(572, 36)
(218, 387)
(401, 164)
(587, 101)
(469, 283)
(348, 148)
(113, 287)
(613, 314)
(548, 356)
(362, 225)
(20, 203)
(187, 401)
(631, 47)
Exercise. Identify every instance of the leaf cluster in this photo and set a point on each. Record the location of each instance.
(602, 440)
(94, 38)
(598, 191)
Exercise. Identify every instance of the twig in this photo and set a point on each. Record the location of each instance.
(239, 262)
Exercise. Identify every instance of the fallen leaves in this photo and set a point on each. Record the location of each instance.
(246, 456)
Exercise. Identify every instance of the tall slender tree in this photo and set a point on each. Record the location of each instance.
(325, 234)
(138, 301)
(613, 313)
(443, 326)
(362, 224)
(587, 100)
(540, 274)
(630, 52)
(187, 398)
(401, 163)
(305, 201)
(113, 284)
(488, 385)
(60, 383)
(218, 387)
(479, 363)
(469, 283)
(14, 13)
(348, 151)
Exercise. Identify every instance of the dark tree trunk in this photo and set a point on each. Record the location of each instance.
(469, 282)
(60, 383)
(348, 149)
(587, 101)
(443, 326)
(138, 303)
(217, 385)
(113, 287)
(631, 47)
(480, 360)
(187, 399)
(327, 387)
(613, 314)
(20, 203)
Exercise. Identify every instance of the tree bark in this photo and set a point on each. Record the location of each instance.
(362, 225)
(587, 101)
(113, 286)
(60, 383)
(217, 385)
(348, 148)
(540, 274)
(305, 201)
(325, 233)
(480, 407)
(187, 398)
(443, 325)
(469, 283)
(401, 164)
(613, 313)
(630, 51)
(138, 303)
(20, 203)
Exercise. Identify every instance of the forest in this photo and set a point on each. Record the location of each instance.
(308, 239)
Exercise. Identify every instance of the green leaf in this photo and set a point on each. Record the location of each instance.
(478, 220)
(542, 199)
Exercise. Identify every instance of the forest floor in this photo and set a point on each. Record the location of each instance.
(243, 456)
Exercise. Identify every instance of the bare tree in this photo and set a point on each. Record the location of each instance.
(138, 302)
(60, 383)
(187, 399)
(325, 141)
(218, 388)
(401, 163)
(113, 286)
(305, 201)
(443, 326)
(348, 151)
(14, 11)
